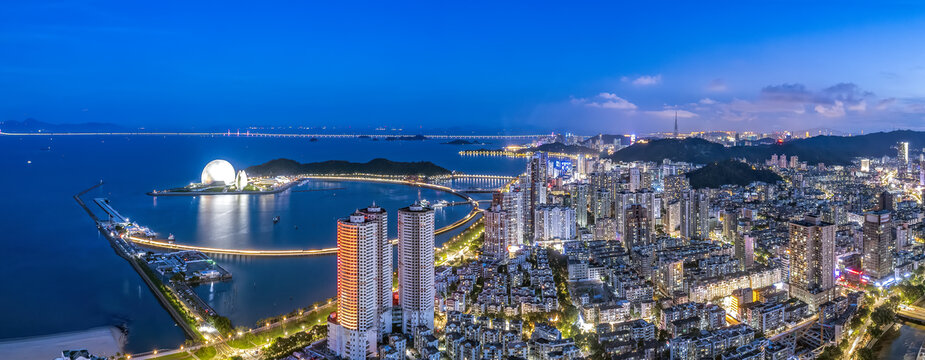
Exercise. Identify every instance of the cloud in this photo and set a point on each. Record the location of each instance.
(668, 113)
(788, 106)
(885, 103)
(644, 80)
(717, 85)
(835, 110)
(833, 101)
(606, 100)
(860, 106)
(795, 93)
(847, 93)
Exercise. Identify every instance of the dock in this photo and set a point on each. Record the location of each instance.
(128, 252)
(280, 189)
(114, 216)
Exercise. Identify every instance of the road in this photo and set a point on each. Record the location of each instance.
(223, 349)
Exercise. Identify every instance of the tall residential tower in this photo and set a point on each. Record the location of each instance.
(416, 289)
(364, 255)
(812, 260)
(877, 261)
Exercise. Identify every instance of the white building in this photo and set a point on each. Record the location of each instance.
(416, 290)
(555, 222)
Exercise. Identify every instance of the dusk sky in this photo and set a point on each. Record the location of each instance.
(589, 67)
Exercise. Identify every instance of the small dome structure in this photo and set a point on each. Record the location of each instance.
(218, 171)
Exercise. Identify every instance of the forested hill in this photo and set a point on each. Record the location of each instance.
(729, 172)
(814, 150)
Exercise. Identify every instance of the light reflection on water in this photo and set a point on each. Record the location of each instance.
(264, 287)
(105, 290)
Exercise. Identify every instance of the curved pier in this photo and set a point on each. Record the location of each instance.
(163, 244)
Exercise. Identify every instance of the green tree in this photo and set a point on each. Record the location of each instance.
(222, 324)
(830, 353)
(883, 314)
(866, 354)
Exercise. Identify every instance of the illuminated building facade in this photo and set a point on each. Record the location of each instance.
(416, 289)
(360, 320)
(812, 260)
(878, 245)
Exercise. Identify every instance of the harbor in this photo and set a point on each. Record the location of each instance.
(243, 222)
(169, 276)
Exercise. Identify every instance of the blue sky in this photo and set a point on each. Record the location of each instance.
(585, 67)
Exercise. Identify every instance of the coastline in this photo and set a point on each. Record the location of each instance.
(102, 341)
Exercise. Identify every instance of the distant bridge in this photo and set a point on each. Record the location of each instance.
(270, 135)
(475, 176)
(475, 184)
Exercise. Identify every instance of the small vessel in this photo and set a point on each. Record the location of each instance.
(276, 219)
(170, 238)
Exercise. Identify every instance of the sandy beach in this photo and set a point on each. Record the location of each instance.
(103, 341)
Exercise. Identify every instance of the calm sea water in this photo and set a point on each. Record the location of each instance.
(905, 345)
(60, 275)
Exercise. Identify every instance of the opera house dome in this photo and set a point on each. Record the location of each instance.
(218, 171)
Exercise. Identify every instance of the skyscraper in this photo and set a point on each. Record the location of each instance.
(701, 214)
(812, 260)
(538, 170)
(902, 152)
(603, 204)
(745, 249)
(730, 219)
(885, 201)
(673, 186)
(416, 266)
(878, 245)
(555, 222)
(686, 212)
(636, 226)
(384, 266)
(363, 252)
(580, 201)
(512, 203)
(495, 245)
(635, 179)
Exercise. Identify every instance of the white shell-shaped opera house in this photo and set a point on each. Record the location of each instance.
(218, 171)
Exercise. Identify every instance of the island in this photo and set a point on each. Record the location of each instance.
(288, 167)
(729, 172)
